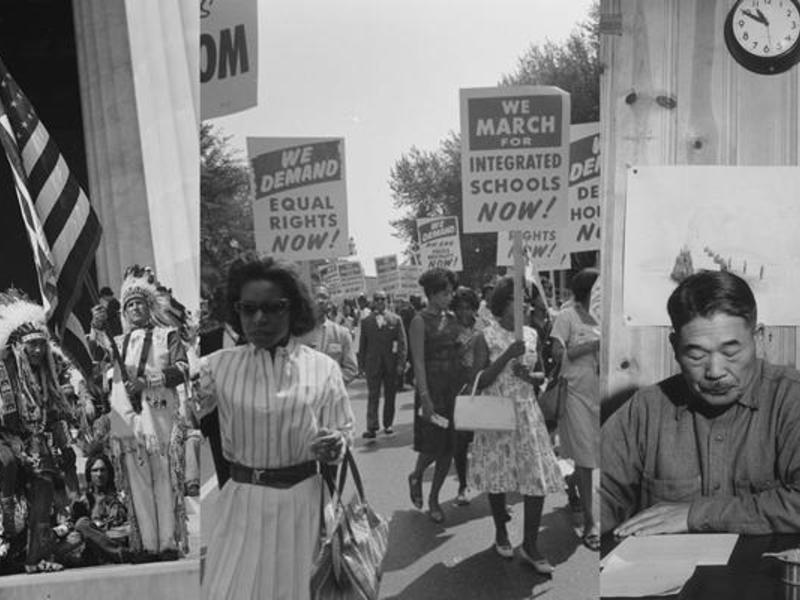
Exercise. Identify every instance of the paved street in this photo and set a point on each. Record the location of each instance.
(456, 560)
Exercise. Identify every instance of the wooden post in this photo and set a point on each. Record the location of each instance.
(519, 267)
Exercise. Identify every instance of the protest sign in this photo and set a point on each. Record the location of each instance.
(329, 277)
(228, 57)
(514, 158)
(409, 281)
(439, 243)
(544, 249)
(387, 273)
(299, 197)
(583, 228)
(351, 278)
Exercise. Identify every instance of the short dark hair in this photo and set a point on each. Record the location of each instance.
(301, 307)
(706, 293)
(582, 282)
(435, 280)
(106, 291)
(465, 295)
(502, 296)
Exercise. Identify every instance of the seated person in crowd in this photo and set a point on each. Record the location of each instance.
(100, 515)
(716, 447)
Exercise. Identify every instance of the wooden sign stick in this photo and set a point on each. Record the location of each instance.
(519, 268)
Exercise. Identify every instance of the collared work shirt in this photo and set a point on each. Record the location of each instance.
(740, 471)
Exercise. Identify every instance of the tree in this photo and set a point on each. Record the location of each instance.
(226, 214)
(428, 183)
(573, 66)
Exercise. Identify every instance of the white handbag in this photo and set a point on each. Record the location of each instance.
(493, 413)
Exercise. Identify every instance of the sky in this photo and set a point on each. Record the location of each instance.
(385, 76)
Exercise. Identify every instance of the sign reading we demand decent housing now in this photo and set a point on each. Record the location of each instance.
(299, 197)
(514, 158)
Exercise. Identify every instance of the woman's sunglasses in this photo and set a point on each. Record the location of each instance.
(270, 307)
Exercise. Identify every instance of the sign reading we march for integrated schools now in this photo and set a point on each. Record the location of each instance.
(439, 243)
(299, 197)
(550, 248)
(514, 158)
(228, 57)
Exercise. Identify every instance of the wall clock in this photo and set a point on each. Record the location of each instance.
(764, 35)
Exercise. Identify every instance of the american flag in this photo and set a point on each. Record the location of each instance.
(63, 229)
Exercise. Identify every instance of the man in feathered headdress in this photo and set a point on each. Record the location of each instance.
(37, 411)
(147, 428)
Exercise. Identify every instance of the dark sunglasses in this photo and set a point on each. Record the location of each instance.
(270, 307)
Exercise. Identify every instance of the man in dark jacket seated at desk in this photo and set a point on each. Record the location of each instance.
(717, 447)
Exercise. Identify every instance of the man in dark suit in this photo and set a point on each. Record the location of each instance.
(382, 355)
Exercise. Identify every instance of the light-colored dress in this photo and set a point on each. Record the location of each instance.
(520, 461)
(148, 446)
(263, 539)
(579, 426)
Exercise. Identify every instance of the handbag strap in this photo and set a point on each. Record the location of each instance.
(349, 463)
(356, 476)
(477, 379)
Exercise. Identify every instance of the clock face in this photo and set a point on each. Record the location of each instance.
(766, 28)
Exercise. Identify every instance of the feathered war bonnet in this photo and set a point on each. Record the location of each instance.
(20, 319)
(140, 283)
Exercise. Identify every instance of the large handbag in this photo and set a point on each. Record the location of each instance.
(551, 401)
(492, 413)
(348, 565)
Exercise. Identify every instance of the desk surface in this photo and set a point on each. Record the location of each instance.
(747, 576)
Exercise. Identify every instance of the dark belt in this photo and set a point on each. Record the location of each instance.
(285, 477)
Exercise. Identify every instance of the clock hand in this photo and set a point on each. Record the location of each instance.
(762, 17)
(757, 18)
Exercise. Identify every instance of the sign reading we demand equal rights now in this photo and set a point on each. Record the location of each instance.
(514, 158)
(299, 197)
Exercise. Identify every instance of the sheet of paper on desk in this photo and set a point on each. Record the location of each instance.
(660, 565)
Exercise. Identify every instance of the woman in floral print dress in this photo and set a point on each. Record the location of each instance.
(522, 460)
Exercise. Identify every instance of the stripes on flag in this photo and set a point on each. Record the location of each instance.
(63, 229)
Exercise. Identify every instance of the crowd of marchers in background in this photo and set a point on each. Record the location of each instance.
(438, 344)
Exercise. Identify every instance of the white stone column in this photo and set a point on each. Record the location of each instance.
(111, 129)
(164, 41)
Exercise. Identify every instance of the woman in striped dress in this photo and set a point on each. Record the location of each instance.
(282, 407)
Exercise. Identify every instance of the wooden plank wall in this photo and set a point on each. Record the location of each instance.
(671, 94)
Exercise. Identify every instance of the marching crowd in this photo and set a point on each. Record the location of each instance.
(287, 375)
(129, 418)
(135, 418)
